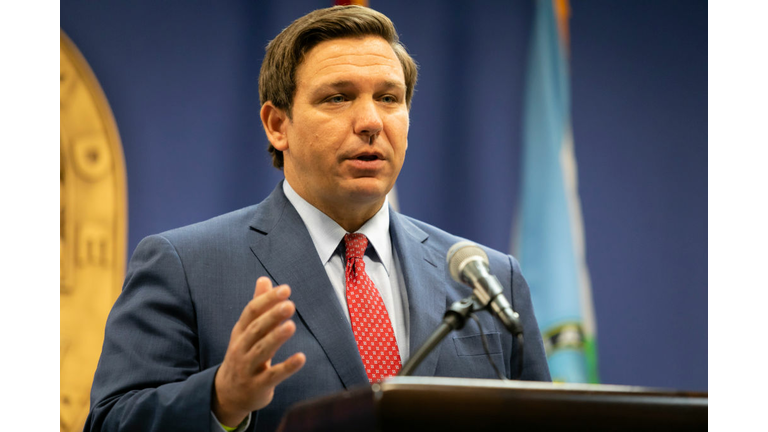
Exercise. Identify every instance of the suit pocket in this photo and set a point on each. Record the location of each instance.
(473, 345)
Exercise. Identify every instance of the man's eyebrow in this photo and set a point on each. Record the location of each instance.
(394, 84)
(345, 84)
(336, 85)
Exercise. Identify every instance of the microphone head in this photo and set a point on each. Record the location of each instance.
(460, 253)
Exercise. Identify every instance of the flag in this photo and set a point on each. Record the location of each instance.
(549, 234)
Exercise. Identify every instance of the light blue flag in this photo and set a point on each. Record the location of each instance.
(549, 234)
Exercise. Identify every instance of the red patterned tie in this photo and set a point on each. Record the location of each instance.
(370, 321)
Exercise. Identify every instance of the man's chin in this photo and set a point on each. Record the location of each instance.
(368, 190)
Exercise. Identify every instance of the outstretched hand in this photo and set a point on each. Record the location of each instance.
(246, 379)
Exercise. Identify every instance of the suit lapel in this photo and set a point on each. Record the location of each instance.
(282, 244)
(425, 282)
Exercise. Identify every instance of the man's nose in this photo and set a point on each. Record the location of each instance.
(367, 122)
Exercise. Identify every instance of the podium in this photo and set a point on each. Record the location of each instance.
(457, 404)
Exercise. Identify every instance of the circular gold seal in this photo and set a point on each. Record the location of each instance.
(93, 229)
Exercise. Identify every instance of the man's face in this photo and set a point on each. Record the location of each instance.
(346, 142)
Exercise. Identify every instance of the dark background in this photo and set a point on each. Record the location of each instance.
(181, 78)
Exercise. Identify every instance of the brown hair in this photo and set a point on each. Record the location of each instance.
(277, 80)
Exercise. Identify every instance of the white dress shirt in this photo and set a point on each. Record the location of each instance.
(381, 261)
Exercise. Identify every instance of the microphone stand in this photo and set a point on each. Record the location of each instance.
(454, 319)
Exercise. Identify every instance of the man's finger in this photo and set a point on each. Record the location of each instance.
(265, 348)
(259, 305)
(263, 285)
(282, 371)
(265, 323)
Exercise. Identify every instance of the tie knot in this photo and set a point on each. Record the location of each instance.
(355, 245)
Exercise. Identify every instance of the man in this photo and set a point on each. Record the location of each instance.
(190, 345)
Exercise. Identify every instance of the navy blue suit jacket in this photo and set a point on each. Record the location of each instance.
(185, 289)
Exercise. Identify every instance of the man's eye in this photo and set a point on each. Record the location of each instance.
(336, 99)
(389, 99)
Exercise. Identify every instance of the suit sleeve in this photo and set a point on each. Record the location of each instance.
(535, 366)
(149, 376)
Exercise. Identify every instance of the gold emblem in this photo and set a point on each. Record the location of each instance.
(92, 232)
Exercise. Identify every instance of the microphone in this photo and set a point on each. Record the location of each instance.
(468, 264)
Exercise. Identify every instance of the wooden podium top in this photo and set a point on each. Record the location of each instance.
(448, 404)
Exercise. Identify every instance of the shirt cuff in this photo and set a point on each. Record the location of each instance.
(217, 426)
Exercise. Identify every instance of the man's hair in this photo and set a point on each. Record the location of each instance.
(277, 80)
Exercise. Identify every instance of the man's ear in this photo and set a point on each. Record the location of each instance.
(275, 123)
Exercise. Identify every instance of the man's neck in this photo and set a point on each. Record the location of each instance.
(351, 219)
(349, 215)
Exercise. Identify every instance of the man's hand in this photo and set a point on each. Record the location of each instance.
(246, 379)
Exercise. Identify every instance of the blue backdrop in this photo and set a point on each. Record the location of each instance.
(181, 78)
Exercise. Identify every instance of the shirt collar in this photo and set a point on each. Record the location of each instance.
(326, 234)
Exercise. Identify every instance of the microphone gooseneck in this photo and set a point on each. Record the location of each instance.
(468, 264)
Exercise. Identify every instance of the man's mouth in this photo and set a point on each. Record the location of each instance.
(367, 157)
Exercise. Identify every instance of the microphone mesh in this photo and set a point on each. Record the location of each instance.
(460, 252)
